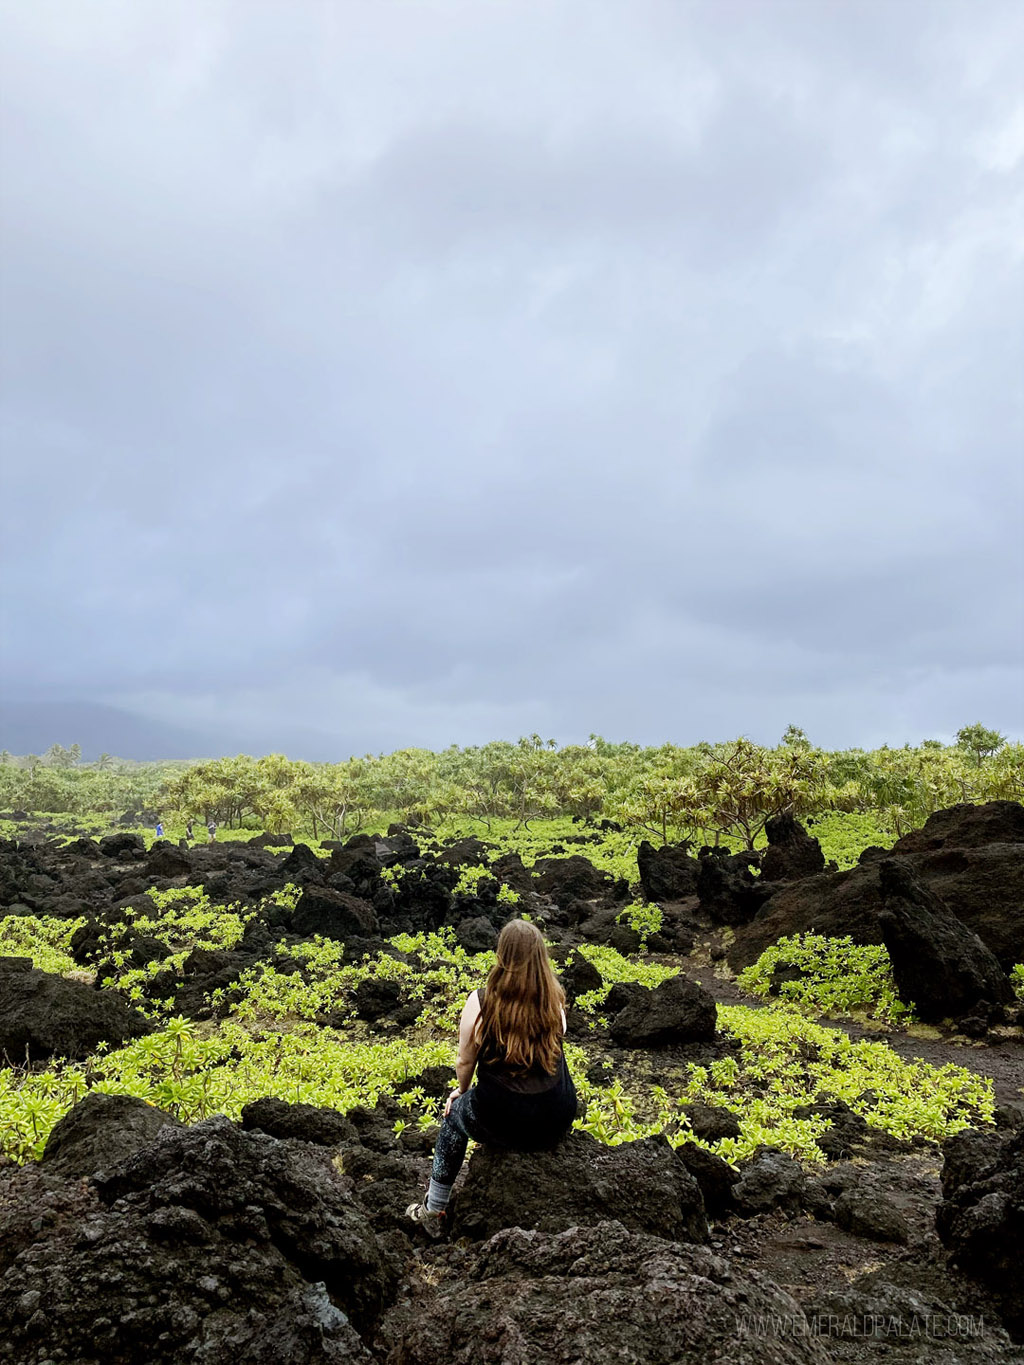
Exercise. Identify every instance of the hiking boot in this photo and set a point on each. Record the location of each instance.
(434, 1224)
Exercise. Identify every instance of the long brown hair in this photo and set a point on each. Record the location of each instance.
(521, 1019)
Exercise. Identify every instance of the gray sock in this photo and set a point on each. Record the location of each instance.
(437, 1196)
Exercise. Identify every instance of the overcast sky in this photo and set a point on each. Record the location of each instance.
(382, 374)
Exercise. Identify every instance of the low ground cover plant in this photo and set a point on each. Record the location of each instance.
(823, 975)
(270, 1035)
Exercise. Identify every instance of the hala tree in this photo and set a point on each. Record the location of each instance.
(979, 742)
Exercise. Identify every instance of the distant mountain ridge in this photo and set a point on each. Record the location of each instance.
(30, 727)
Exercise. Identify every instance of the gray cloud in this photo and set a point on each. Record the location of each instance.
(380, 377)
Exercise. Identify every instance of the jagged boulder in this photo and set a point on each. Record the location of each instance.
(668, 873)
(304, 1122)
(713, 1174)
(301, 866)
(569, 879)
(424, 894)
(981, 1217)
(709, 1122)
(47, 1015)
(981, 883)
(937, 962)
(477, 934)
(984, 888)
(100, 1131)
(643, 1185)
(468, 852)
(729, 892)
(268, 840)
(376, 997)
(966, 826)
(210, 1244)
(792, 853)
(122, 846)
(769, 1180)
(603, 1295)
(261, 1187)
(511, 870)
(335, 914)
(870, 1213)
(677, 1011)
(167, 860)
(578, 976)
(84, 848)
(847, 1132)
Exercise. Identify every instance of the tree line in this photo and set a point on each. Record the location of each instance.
(702, 793)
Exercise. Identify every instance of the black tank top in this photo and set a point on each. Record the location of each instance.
(494, 1072)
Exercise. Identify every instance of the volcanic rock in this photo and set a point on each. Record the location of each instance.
(769, 1180)
(477, 935)
(100, 1131)
(301, 866)
(334, 914)
(84, 848)
(983, 887)
(469, 852)
(709, 1122)
(966, 826)
(167, 860)
(603, 1295)
(728, 891)
(578, 976)
(121, 846)
(870, 1213)
(569, 879)
(211, 1244)
(511, 870)
(375, 997)
(644, 1185)
(937, 962)
(48, 1015)
(304, 1122)
(792, 853)
(677, 1011)
(668, 873)
(981, 1218)
(847, 1129)
(714, 1175)
(981, 883)
(622, 994)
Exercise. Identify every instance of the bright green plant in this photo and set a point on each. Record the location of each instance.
(837, 976)
(43, 938)
(787, 1061)
(644, 918)
(1017, 977)
(614, 967)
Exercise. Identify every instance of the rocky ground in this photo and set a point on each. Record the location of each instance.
(280, 1238)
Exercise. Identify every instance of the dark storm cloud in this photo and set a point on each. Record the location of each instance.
(379, 375)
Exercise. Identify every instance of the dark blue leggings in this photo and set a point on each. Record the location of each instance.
(453, 1139)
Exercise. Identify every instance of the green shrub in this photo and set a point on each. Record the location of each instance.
(45, 939)
(837, 976)
(644, 918)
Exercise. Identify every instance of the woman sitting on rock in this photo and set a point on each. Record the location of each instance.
(511, 1035)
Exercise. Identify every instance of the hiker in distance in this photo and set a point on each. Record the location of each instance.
(510, 1034)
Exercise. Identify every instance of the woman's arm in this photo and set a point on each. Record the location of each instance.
(468, 1045)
